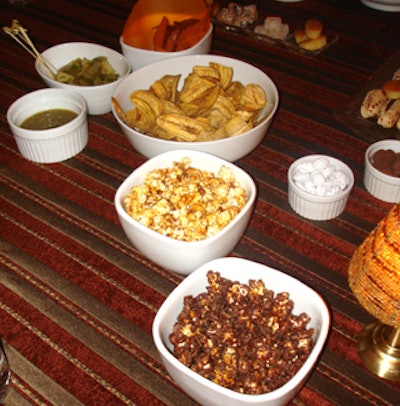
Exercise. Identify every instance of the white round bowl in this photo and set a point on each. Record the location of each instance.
(139, 57)
(54, 144)
(232, 148)
(382, 186)
(207, 392)
(182, 256)
(98, 98)
(316, 207)
(383, 5)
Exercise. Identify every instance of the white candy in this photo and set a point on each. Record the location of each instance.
(320, 178)
(305, 167)
(328, 170)
(299, 176)
(321, 163)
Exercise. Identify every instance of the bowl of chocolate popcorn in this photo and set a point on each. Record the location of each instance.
(319, 186)
(184, 208)
(235, 332)
(382, 170)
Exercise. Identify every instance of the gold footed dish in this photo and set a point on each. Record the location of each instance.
(379, 348)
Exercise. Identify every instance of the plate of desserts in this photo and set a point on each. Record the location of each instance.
(312, 38)
(373, 113)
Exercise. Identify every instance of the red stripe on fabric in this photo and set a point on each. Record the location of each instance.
(303, 238)
(56, 365)
(87, 275)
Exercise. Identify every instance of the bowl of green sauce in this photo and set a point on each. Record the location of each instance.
(49, 125)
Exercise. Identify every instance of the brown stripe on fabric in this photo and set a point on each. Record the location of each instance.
(65, 258)
(105, 239)
(96, 336)
(40, 390)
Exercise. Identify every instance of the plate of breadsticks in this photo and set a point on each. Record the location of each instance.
(373, 113)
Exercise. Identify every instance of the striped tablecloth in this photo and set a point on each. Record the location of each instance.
(77, 301)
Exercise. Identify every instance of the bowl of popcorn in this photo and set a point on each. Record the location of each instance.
(90, 69)
(184, 208)
(319, 186)
(208, 103)
(382, 170)
(235, 332)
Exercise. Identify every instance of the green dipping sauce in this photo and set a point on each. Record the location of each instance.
(48, 119)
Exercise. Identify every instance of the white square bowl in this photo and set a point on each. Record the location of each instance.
(184, 257)
(207, 392)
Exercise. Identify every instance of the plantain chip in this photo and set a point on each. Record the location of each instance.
(170, 83)
(184, 128)
(225, 74)
(221, 112)
(159, 90)
(198, 95)
(149, 98)
(252, 98)
(206, 72)
(234, 92)
(235, 126)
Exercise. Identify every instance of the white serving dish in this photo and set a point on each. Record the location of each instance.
(232, 148)
(207, 392)
(182, 256)
(139, 57)
(54, 144)
(384, 5)
(98, 98)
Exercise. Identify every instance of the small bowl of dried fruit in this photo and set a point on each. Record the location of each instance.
(92, 70)
(210, 103)
(382, 170)
(235, 332)
(184, 208)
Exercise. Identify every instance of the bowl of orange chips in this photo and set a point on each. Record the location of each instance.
(209, 103)
(162, 29)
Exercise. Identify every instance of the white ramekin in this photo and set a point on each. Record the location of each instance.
(315, 207)
(383, 187)
(54, 144)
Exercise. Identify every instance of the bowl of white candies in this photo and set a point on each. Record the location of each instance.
(319, 186)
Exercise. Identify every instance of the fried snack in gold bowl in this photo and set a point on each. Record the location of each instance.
(209, 106)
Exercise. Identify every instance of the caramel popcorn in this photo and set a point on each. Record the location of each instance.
(186, 203)
(242, 336)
